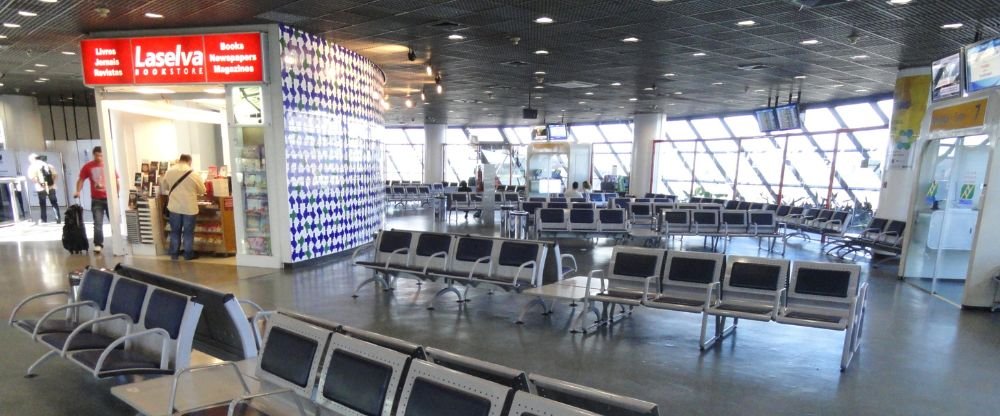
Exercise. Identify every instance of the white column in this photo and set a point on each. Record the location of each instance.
(22, 123)
(897, 182)
(648, 127)
(434, 152)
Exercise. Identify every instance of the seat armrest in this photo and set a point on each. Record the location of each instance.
(531, 263)
(164, 358)
(402, 250)
(645, 287)
(176, 377)
(53, 311)
(85, 325)
(481, 260)
(28, 299)
(778, 302)
(591, 277)
(575, 266)
(427, 264)
(259, 317)
(357, 251)
(710, 291)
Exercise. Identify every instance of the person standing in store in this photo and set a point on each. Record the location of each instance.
(183, 187)
(43, 175)
(93, 171)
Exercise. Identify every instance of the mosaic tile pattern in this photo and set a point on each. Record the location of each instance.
(333, 145)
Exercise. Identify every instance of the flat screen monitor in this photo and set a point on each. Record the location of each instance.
(767, 120)
(788, 117)
(946, 81)
(557, 131)
(982, 65)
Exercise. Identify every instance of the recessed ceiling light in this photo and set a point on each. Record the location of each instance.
(631, 39)
(648, 89)
(633, 99)
(678, 92)
(11, 25)
(582, 102)
(485, 109)
(810, 42)
(451, 111)
(544, 20)
(43, 79)
(746, 23)
(563, 110)
(541, 52)
(718, 83)
(952, 26)
(49, 1)
(759, 90)
(859, 57)
(616, 84)
(800, 77)
(699, 54)
(68, 53)
(836, 85)
(588, 93)
(899, 2)
(539, 72)
(539, 87)
(26, 13)
(3, 36)
(456, 37)
(41, 65)
(154, 15)
(672, 104)
(670, 74)
(862, 90)
(539, 97)
(621, 106)
(29, 70)
(39, 81)
(1, 84)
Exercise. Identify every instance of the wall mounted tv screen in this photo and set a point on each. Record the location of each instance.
(788, 117)
(767, 119)
(946, 81)
(557, 132)
(982, 65)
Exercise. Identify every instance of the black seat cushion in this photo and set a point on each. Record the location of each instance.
(757, 309)
(678, 301)
(83, 341)
(50, 325)
(813, 317)
(122, 362)
(623, 294)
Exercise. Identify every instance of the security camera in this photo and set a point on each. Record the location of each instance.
(411, 55)
(854, 37)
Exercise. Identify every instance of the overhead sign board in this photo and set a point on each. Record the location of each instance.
(961, 116)
(194, 59)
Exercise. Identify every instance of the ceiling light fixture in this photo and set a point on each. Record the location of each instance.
(430, 71)
(810, 42)
(633, 99)
(718, 83)
(678, 92)
(746, 23)
(952, 26)
(544, 20)
(29, 70)
(588, 93)
(456, 37)
(582, 102)
(541, 52)
(538, 87)
(862, 90)
(154, 15)
(11, 25)
(699, 54)
(616, 84)
(759, 90)
(836, 85)
(670, 74)
(41, 65)
(440, 89)
(539, 72)
(49, 1)
(422, 96)
(630, 39)
(409, 102)
(3, 36)
(899, 2)
(800, 77)
(26, 13)
(859, 57)
(68, 53)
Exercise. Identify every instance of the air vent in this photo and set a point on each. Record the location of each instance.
(446, 25)
(752, 67)
(574, 84)
(282, 17)
(514, 63)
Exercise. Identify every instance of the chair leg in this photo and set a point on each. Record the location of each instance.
(524, 310)
(721, 330)
(451, 288)
(41, 360)
(579, 325)
(376, 278)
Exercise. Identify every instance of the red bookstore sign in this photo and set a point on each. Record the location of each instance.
(222, 58)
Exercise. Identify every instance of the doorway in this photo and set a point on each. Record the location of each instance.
(951, 183)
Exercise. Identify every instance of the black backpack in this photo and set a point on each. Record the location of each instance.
(47, 176)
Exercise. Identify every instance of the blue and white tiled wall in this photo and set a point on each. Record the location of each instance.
(333, 144)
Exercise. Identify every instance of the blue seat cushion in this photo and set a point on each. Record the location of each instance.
(82, 341)
(121, 362)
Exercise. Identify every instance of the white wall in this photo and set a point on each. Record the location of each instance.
(22, 124)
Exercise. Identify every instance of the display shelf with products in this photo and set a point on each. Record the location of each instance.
(215, 230)
(251, 165)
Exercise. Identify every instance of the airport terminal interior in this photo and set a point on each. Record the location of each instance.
(484, 207)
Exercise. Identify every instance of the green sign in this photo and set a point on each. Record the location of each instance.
(965, 195)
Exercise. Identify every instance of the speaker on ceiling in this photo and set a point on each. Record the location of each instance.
(529, 113)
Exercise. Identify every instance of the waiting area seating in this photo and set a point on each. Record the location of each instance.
(880, 238)
(822, 222)
(708, 220)
(312, 366)
(402, 194)
(116, 326)
(582, 223)
(458, 260)
(812, 294)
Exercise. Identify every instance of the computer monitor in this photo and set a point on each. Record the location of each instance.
(788, 117)
(946, 81)
(557, 132)
(767, 120)
(981, 62)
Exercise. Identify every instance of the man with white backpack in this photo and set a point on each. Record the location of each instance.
(44, 176)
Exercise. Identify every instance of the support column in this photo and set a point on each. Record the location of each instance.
(648, 127)
(434, 152)
(899, 172)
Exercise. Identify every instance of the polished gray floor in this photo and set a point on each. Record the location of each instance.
(920, 355)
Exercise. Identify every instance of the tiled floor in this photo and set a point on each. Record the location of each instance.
(920, 355)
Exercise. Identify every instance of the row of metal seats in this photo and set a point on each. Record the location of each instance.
(464, 260)
(580, 222)
(812, 294)
(115, 326)
(824, 222)
(882, 237)
(412, 193)
(332, 368)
